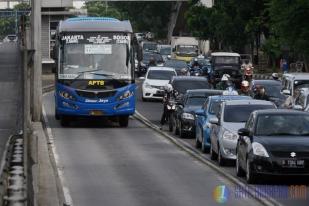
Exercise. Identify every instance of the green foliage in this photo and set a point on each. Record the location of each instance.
(99, 8)
(144, 16)
(22, 6)
(289, 21)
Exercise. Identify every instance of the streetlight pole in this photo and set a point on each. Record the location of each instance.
(37, 60)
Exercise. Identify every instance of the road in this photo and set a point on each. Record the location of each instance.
(152, 111)
(10, 95)
(107, 165)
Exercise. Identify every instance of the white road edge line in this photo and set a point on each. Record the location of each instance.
(65, 190)
(269, 201)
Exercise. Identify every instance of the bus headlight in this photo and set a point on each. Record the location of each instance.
(67, 95)
(125, 95)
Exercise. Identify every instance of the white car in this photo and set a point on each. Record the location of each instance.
(155, 80)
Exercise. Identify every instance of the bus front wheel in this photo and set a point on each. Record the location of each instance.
(123, 121)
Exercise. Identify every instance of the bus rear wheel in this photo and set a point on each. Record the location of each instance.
(123, 121)
(65, 121)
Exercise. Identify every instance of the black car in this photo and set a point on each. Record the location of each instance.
(181, 84)
(204, 65)
(185, 116)
(273, 90)
(178, 65)
(273, 142)
(144, 64)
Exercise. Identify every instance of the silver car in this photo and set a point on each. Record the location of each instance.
(232, 116)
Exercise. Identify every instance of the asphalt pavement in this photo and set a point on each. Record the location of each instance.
(103, 164)
(152, 110)
(10, 92)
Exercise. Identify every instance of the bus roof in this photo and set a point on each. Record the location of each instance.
(93, 24)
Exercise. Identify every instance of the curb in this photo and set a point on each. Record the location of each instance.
(63, 190)
(194, 153)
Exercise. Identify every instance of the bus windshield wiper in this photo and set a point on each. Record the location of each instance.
(93, 70)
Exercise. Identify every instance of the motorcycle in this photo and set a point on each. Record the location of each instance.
(171, 108)
(196, 71)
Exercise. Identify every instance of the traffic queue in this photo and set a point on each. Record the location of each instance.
(232, 116)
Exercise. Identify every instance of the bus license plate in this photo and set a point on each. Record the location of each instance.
(96, 113)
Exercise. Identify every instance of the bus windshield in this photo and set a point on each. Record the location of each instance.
(95, 58)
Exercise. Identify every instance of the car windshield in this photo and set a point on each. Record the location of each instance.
(150, 46)
(183, 85)
(165, 51)
(241, 113)
(215, 107)
(301, 84)
(226, 60)
(148, 56)
(160, 74)
(187, 49)
(196, 101)
(176, 64)
(282, 124)
(273, 90)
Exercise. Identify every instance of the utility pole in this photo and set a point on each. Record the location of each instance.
(37, 60)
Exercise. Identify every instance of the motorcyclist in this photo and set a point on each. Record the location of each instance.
(246, 64)
(230, 90)
(152, 62)
(223, 84)
(261, 93)
(275, 76)
(245, 88)
(184, 72)
(195, 63)
(168, 94)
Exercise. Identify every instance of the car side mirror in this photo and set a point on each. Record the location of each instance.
(298, 107)
(214, 120)
(286, 92)
(243, 132)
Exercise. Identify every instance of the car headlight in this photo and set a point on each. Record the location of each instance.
(147, 85)
(67, 95)
(230, 135)
(125, 95)
(259, 150)
(171, 107)
(187, 116)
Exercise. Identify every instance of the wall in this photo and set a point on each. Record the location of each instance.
(56, 3)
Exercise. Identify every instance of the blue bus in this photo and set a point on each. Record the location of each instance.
(94, 69)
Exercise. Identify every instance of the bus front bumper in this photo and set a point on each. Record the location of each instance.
(75, 108)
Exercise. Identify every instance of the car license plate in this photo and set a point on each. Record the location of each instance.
(96, 113)
(293, 163)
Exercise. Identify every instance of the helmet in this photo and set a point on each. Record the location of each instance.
(195, 59)
(168, 87)
(183, 71)
(225, 77)
(275, 76)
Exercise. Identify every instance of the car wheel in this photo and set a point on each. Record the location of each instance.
(123, 121)
(197, 142)
(213, 155)
(239, 171)
(250, 176)
(204, 148)
(221, 159)
(144, 99)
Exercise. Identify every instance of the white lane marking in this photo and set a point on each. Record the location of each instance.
(66, 192)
